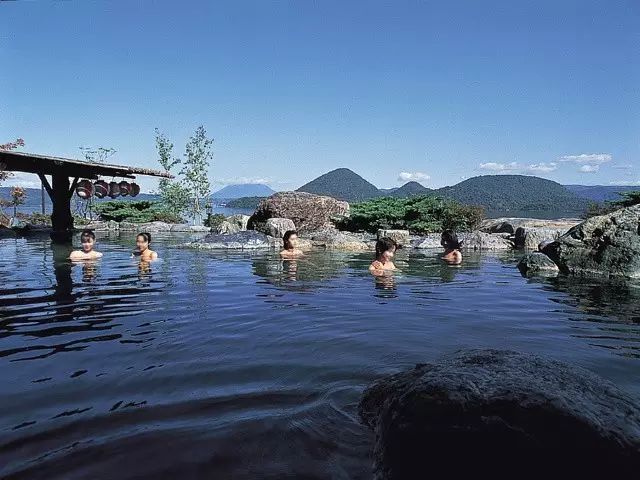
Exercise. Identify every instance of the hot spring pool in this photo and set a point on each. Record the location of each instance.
(221, 365)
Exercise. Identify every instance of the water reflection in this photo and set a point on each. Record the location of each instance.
(218, 350)
(57, 315)
(385, 286)
(300, 274)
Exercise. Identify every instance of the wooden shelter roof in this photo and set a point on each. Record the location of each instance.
(48, 165)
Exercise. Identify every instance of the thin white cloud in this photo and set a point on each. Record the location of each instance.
(541, 167)
(625, 183)
(588, 158)
(412, 176)
(499, 167)
(515, 167)
(589, 168)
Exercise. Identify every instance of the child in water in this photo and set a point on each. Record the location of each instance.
(385, 249)
(88, 241)
(143, 239)
(452, 245)
(290, 240)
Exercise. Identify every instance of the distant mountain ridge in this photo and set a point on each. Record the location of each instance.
(243, 190)
(342, 184)
(515, 192)
(600, 193)
(494, 192)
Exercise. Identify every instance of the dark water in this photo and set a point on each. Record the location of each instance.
(215, 365)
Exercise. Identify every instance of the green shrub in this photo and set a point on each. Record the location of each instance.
(35, 218)
(142, 211)
(422, 214)
(627, 199)
(214, 220)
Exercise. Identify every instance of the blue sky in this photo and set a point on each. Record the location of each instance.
(433, 91)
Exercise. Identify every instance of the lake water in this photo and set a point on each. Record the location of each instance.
(220, 365)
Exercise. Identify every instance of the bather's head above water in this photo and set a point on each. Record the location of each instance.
(143, 242)
(449, 240)
(143, 239)
(87, 240)
(385, 249)
(290, 240)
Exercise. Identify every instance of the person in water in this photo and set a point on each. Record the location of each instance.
(88, 241)
(290, 240)
(143, 240)
(385, 250)
(452, 245)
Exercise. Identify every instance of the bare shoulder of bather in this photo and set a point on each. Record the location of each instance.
(80, 255)
(293, 253)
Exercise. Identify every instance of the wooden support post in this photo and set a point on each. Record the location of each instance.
(61, 218)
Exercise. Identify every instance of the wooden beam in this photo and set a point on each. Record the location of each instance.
(73, 187)
(61, 218)
(46, 185)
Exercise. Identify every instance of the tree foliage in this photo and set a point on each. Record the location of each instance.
(141, 211)
(423, 214)
(8, 147)
(18, 196)
(198, 153)
(97, 155)
(183, 194)
(627, 199)
(245, 202)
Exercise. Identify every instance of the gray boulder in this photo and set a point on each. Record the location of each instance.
(186, 228)
(226, 228)
(333, 239)
(277, 227)
(477, 240)
(247, 240)
(401, 237)
(309, 212)
(537, 263)
(501, 227)
(493, 414)
(485, 241)
(429, 241)
(606, 245)
(240, 220)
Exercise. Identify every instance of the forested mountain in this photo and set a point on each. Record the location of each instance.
(342, 184)
(515, 193)
(599, 193)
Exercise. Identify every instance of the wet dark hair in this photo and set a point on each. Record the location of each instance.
(384, 245)
(87, 234)
(287, 235)
(449, 240)
(145, 235)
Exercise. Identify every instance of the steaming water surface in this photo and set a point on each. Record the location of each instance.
(218, 365)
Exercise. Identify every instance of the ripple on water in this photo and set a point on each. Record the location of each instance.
(242, 365)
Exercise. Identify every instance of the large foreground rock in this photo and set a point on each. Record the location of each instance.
(307, 211)
(606, 245)
(493, 414)
(248, 240)
(537, 263)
